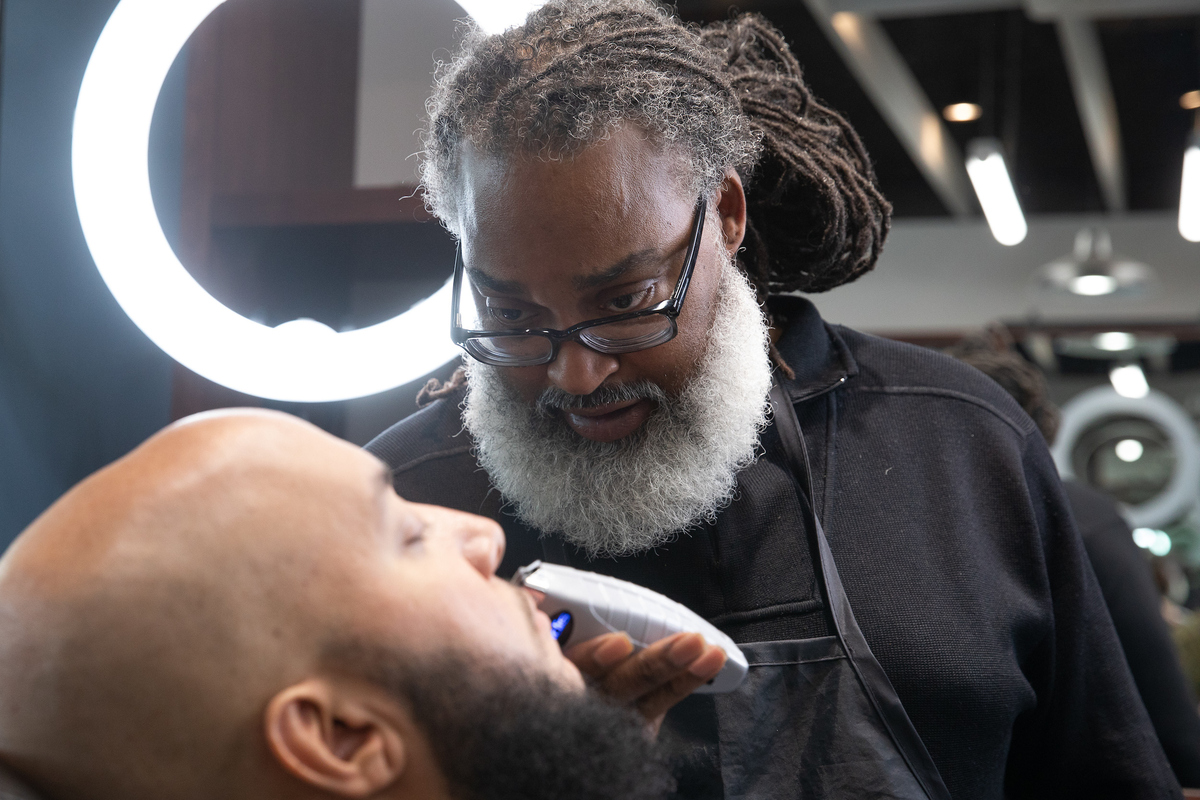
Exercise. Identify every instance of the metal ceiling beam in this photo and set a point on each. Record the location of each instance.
(894, 90)
(1038, 9)
(918, 8)
(1096, 9)
(1096, 105)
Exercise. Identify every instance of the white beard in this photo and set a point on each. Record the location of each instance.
(677, 471)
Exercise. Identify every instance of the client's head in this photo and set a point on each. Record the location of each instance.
(243, 607)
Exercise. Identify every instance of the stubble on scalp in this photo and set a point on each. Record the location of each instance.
(676, 472)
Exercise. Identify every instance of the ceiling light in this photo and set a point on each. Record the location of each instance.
(962, 112)
(1189, 192)
(1093, 285)
(1129, 450)
(1093, 270)
(994, 187)
(1114, 341)
(1129, 381)
(497, 16)
(1190, 100)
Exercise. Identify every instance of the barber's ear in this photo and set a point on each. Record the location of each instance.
(731, 206)
(339, 738)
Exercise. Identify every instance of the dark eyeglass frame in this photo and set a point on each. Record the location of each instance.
(669, 308)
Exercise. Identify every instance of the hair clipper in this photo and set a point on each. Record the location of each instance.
(582, 605)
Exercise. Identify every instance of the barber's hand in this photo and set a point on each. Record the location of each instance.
(653, 680)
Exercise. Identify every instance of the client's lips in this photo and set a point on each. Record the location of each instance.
(608, 422)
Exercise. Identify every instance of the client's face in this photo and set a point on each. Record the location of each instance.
(466, 654)
(312, 635)
(427, 575)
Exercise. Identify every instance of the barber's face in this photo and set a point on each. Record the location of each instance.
(562, 242)
(423, 577)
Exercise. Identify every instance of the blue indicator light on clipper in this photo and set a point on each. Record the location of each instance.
(560, 626)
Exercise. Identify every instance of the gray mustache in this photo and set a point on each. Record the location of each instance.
(555, 399)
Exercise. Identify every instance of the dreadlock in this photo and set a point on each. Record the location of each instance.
(727, 95)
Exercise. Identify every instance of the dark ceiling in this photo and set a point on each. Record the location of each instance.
(1014, 68)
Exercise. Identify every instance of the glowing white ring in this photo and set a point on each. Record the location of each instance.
(300, 361)
(1095, 404)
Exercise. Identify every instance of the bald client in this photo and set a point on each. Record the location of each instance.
(243, 608)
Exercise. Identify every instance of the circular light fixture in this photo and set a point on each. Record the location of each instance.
(299, 361)
(1190, 101)
(962, 112)
(1093, 270)
(1093, 285)
(1129, 450)
(1178, 496)
(1114, 341)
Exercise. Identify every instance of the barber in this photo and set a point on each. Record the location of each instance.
(881, 529)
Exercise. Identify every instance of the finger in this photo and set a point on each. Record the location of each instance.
(596, 657)
(653, 668)
(655, 705)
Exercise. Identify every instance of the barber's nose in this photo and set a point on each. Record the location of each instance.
(580, 370)
(482, 544)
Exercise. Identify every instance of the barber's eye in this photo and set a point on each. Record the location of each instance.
(624, 302)
(507, 314)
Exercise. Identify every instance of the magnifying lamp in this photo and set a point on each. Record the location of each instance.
(299, 361)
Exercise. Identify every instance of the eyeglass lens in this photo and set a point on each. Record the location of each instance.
(625, 336)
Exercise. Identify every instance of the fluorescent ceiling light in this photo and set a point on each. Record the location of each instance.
(300, 361)
(1114, 341)
(1129, 450)
(1129, 381)
(962, 112)
(1189, 193)
(990, 177)
(497, 16)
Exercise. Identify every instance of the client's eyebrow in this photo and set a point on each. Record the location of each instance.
(596, 280)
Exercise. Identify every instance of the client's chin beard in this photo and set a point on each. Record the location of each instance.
(677, 471)
(502, 731)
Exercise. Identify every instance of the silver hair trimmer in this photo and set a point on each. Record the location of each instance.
(582, 605)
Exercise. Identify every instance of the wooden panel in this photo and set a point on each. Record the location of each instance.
(1181, 331)
(320, 207)
(286, 95)
(269, 129)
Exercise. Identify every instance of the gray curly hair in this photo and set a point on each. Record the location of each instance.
(727, 95)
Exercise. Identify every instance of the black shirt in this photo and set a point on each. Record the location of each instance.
(1133, 601)
(954, 541)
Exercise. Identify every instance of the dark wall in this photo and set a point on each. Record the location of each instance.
(79, 383)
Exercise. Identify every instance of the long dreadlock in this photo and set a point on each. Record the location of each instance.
(727, 95)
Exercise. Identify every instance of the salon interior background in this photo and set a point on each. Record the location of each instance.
(280, 149)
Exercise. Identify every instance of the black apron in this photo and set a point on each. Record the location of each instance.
(815, 718)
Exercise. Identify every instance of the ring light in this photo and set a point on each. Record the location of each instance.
(299, 361)
(1096, 404)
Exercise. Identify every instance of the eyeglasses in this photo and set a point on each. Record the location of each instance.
(613, 335)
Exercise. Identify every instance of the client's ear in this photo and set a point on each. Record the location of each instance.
(341, 738)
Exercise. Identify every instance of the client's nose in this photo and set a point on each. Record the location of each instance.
(481, 542)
